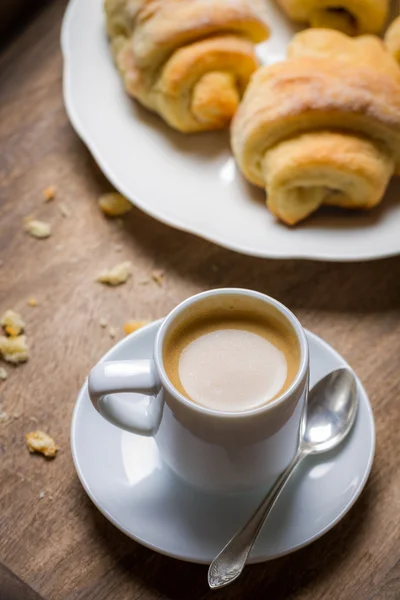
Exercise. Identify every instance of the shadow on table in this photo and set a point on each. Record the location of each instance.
(372, 286)
(365, 286)
(277, 579)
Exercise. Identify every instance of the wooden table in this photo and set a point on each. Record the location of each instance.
(60, 544)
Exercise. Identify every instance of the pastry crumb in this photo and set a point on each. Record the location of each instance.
(11, 331)
(64, 210)
(12, 322)
(103, 322)
(49, 193)
(4, 417)
(42, 495)
(114, 204)
(37, 229)
(113, 332)
(39, 441)
(13, 346)
(14, 349)
(32, 302)
(3, 374)
(158, 276)
(131, 326)
(117, 275)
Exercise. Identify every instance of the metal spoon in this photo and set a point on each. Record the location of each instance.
(329, 417)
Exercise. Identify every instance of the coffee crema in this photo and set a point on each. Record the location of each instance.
(231, 360)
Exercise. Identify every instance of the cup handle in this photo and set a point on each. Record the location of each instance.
(138, 376)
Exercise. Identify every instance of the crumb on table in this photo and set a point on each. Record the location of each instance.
(14, 349)
(39, 441)
(12, 322)
(131, 326)
(32, 302)
(37, 229)
(49, 193)
(114, 204)
(158, 276)
(3, 374)
(103, 322)
(4, 417)
(64, 210)
(117, 275)
(113, 332)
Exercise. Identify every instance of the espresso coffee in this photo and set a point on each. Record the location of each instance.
(231, 360)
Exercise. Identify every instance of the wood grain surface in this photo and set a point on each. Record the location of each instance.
(60, 544)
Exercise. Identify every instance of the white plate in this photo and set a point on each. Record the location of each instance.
(125, 478)
(191, 181)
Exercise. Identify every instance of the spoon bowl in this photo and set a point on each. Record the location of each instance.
(331, 412)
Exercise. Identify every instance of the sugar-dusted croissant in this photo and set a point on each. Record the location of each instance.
(188, 60)
(322, 127)
(392, 39)
(349, 16)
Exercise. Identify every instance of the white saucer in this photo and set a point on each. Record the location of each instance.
(125, 478)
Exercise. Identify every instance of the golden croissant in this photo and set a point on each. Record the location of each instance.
(392, 39)
(349, 16)
(322, 127)
(188, 60)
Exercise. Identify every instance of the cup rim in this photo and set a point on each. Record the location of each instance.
(293, 320)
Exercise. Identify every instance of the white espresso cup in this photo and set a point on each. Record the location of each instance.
(216, 450)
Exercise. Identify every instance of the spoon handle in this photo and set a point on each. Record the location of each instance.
(229, 563)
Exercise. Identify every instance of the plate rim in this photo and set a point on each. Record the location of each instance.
(253, 560)
(173, 222)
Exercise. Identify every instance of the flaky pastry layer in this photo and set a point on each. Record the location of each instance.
(322, 127)
(392, 39)
(187, 60)
(353, 17)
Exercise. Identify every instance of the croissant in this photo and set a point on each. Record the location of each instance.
(187, 60)
(392, 39)
(349, 16)
(322, 127)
